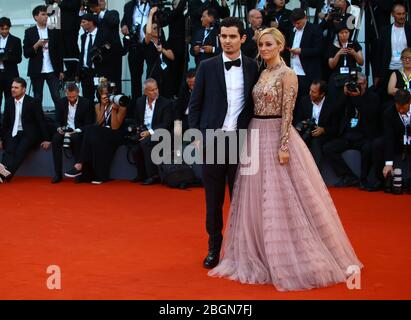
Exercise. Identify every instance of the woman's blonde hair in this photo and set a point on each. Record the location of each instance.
(406, 51)
(275, 33)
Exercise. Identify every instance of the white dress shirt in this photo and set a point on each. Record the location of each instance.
(317, 110)
(140, 16)
(47, 66)
(3, 43)
(101, 14)
(398, 43)
(17, 126)
(93, 37)
(72, 115)
(234, 81)
(148, 115)
(295, 59)
(260, 4)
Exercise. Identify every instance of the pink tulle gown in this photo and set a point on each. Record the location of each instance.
(283, 227)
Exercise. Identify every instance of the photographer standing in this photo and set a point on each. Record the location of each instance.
(10, 57)
(42, 46)
(100, 141)
(358, 127)
(135, 18)
(73, 115)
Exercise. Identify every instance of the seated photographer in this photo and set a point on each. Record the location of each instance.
(152, 112)
(344, 56)
(158, 55)
(181, 112)
(205, 42)
(357, 129)
(73, 115)
(101, 141)
(23, 127)
(397, 138)
(401, 79)
(317, 119)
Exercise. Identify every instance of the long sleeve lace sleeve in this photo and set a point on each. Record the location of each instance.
(290, 89)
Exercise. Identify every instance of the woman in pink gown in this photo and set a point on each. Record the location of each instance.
(283, 227)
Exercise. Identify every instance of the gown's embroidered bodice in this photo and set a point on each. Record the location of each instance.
(274, 95)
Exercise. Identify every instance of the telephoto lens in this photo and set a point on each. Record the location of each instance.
(120, 100)
(397, 181)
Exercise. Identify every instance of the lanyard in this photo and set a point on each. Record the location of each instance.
(406, 80)
(206, 34)
(107, 114)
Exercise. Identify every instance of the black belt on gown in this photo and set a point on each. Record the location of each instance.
(266, 117)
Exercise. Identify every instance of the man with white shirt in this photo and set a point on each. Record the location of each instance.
(393, 39)
(42, 46)
(154, 112)
(23, 128)
(306, 42)
(10, 57)
(221, 99)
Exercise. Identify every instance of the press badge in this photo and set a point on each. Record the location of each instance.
(163, 65)
(354, 122)
(344, 70)
(96, 81)
(407, 140)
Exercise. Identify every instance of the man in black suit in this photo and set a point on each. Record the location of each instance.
(134, 19)
(73, 115)
(216, 78)
(23, 127)
(205, 43)
(318, 106)
(70, 26)
(109, 22)
(182, 111)
(10, 57)
(155, 113)
(390, 48)
(95, 56)
(359, 126)
(249, 48)
(42, 46)
(305, 52)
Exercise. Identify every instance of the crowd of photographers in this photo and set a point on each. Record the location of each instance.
(337, 109)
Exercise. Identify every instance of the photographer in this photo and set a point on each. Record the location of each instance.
(134, 19)
(109, 21)
(158, 55)
(358, 128)
(344, 57)
(317, 119)
(42, 46)
(397, 138)
(401, 79)
(100, 141)
(10, 57)
(181, 112)
(276, 15)
(95, 56)
(152, 112)
(249, 47)
(73, 115)
(205, 43)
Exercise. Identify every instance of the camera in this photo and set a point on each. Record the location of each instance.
(134, 131)
(352, 85)
(393, 182)
(336, 13)
(4, 54)
(304, 128)
(67, 136)
(119, 99)
(96, 53)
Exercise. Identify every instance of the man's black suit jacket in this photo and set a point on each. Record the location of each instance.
(393, 133)
(85, 113)
(163, 113)
(14, 54)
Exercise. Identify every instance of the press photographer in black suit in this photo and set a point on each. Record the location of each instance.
(23, 128)
(73, 115)
(320, 113)
(95, 56)
(10, 57)
(249, 48)
(181, 110)
(154, 112)
(42, 46)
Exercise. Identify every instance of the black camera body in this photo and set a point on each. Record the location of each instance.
(4, 54)
(336, 13)
(134, 131)
(97, 53)
(305, 128)
(352, 85)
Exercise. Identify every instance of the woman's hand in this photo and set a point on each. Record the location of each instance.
(283, 156)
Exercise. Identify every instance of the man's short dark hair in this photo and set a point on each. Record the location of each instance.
(191, 73)
(39, 9)
(323, 85)
(71, 87)
(4, 21)
(233, 22)
(297, 14)
(90, 17)
(402, 97)
(20, 81)
(212, 13)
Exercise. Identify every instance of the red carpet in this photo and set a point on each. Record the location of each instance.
(125, 241)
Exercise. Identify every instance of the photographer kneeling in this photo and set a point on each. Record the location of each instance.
(101, 140)
(73, 114)
(357, 130)
(317, 119)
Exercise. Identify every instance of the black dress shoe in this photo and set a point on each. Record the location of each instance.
(57, 178)
(348, 181)
(150, 181)
(137, 179)
(211, 260)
